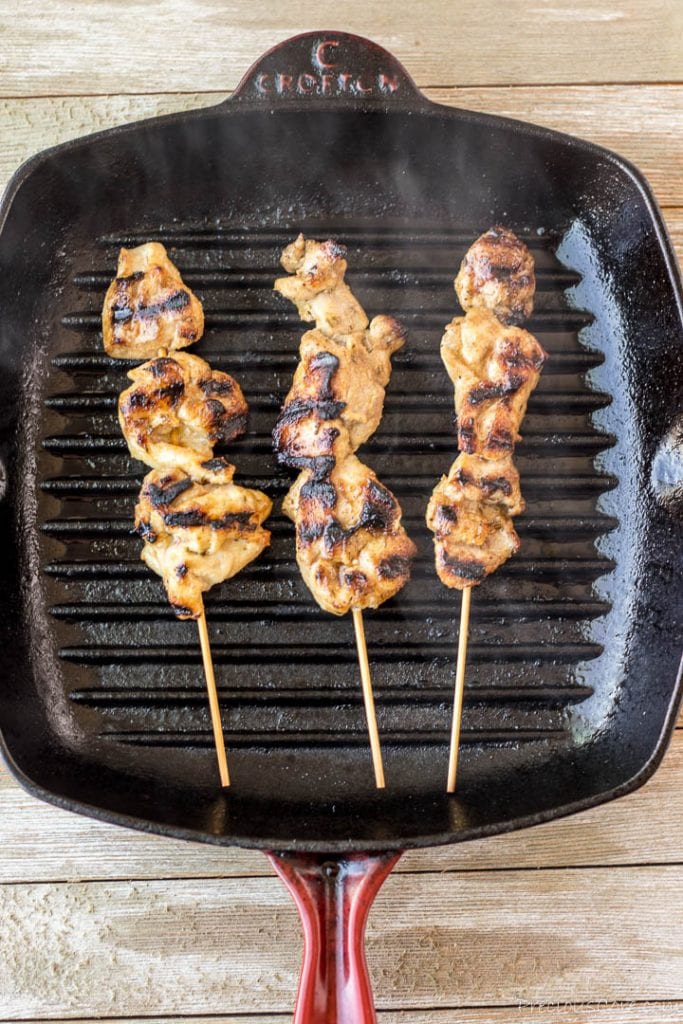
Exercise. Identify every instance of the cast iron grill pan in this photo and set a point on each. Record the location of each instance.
(573, 648)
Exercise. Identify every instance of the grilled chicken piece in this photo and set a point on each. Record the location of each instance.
(317, 287)
(494, 368)
(339, 384)
(485, 480)
(469, 513)
(497, 274)
(352, 550)
(176, 410)
(147, 306)
(197, 535)
(350, 546)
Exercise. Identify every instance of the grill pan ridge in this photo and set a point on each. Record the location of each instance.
(571, 689)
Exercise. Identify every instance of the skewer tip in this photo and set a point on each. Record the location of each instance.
(459, 690)
(214, 706)
(368, 698)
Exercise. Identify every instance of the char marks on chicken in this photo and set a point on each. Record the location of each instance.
(198, 534)
(148, 307)
(497, 274)
(177, 410)
(494, 369)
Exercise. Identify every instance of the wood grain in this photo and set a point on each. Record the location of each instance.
(231, 945)
(56, 48)
(565, 1013)
(643, 123)
(643, 828)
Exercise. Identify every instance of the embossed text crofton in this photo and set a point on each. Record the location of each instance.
(572, 684)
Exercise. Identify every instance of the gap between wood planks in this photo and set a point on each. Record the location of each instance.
(422, 86)
(469, 873)
(649, 1012)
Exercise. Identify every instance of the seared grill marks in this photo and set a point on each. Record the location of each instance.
(494, 366)
(497, 274)
(169, 420)
(147, 306)
(198, 534)
(351, 548)
(122, 311)
(198, 527)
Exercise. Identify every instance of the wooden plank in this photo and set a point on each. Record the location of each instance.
(48, 48)
(585, 1013)
(645, 827)
(644, 124)
(227, 946)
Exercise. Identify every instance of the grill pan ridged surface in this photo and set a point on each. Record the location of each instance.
(573, 650)
(288, 671)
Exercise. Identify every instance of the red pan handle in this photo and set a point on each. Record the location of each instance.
(335, 67)
(333, 896)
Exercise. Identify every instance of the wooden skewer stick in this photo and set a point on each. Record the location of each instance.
(368, 698)
(459, 688)
(213, 700)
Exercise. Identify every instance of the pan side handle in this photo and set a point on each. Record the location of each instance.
(333, 896)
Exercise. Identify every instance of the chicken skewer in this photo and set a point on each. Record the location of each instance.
(351, 548)
(494, 365)
(198, 527)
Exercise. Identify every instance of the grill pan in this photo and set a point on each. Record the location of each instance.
(572, 686)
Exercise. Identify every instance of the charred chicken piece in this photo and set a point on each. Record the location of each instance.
(470, 514)
(339, 384)
(494, 366)
(350, 546)
(494, 369)
(197, 535)
(177, 410)
(497, 274)
(148, 307)
(352, 550)
(485, 480)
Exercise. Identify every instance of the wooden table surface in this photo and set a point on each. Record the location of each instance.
(577, 921)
